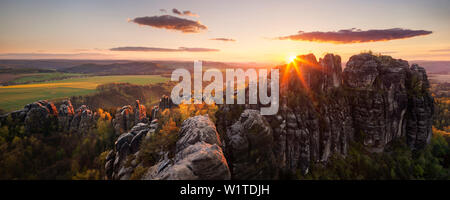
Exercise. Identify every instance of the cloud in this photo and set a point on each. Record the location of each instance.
(440, 50)
(171, 23)
(224, 39)
(54, 56)
(163, 10)
(176, 11)
(184, 13)
(388, 52)
(355, 35)
(156, 49)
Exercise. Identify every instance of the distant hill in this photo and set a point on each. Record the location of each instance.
(52, 64)
(140, 68)
(434, 67)
(135, 68)
(108, 67)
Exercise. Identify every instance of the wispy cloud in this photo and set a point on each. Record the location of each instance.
(157, 49)
(355, 35)
(171, 23)
(224, 39)
(440, 50)
(54, 55)
(388, 52)
(184, 13)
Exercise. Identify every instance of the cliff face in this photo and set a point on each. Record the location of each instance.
(379, 101)
(390, 100)
(420, 109)
(375, 100)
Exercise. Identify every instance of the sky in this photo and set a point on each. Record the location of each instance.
(230, 31)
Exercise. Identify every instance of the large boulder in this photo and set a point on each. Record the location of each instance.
(198, 154)
(200, 161)
(197, 129)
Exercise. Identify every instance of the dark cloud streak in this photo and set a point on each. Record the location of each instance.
(156, 49)
(224, 39)
(171, 23)
(184, 13)
(355, 35)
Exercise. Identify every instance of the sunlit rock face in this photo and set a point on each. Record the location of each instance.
(375, 100)
(332, 69)
(319, 76)
(65, 115)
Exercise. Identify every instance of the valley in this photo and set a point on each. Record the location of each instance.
(14, 97)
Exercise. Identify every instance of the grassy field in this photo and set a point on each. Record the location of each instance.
(23, 78)
(38, 77)
(14, 97)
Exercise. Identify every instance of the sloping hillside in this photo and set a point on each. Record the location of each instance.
(135, 68)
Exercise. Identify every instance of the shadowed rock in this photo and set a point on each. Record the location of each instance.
(250, 147)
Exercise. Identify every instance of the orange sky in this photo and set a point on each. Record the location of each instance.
(90, 29)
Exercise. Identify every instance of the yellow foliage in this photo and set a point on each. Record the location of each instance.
(169, 128)
(190, 110)
(441, 132)
(90, 174)
(104, 115)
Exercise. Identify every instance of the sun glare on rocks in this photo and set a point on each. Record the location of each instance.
(291, 59)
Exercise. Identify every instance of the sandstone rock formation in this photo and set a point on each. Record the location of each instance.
(126, 144)
(420, 109)
(375, 100)
(140, 113)
(379, 97)
(82, 120)
(38, 116)
(43, 117)
(198, 154)
(65, 115)
(123, 120)
(249, 147)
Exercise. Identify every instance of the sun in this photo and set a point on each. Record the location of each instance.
(291, 59)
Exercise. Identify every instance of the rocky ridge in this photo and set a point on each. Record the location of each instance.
(373, 101)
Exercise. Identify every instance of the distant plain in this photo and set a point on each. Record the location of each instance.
(14, 97)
